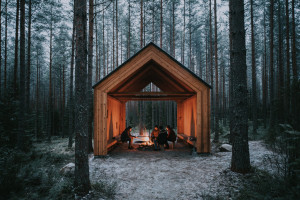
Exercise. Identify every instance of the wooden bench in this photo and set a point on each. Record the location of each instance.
(113, 142)
(188, 139)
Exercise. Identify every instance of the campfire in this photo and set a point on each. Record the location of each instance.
(145, 143)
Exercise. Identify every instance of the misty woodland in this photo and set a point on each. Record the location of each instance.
(149, 99)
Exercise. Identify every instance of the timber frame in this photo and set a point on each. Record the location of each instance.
(178, 83)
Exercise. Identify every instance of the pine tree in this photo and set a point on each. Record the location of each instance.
(82, 181)
(240, 161)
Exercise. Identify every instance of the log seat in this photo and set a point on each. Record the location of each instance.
(113, 142)
(188, 139)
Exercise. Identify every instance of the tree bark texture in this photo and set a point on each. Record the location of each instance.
(22, 76)
(16, 50)
(216, 139)
(240, 161)
(90, 75)
(271, 84)
(254, 95)
(71, 97)
(28, 60)
(82, 181)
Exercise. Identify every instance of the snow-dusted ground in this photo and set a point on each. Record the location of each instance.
(173, 174)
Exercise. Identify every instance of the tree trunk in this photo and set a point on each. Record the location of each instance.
(63, 102)
(230, 77)
(280, 70)
(254, 95)
(103, 34)
(97, 77)
(264, 75)
(240, 161)
(173, 30)
(90, 76)
(129, 30)
(161, 22)
(71, 101)
(113, 45)
(211, 70)
(82, 181)
(294, 57)
(28, 61)
(50, 111)
(16, 50)
(22, 77)
(141, 25)
(0, 50)
(183, 37)
(37, 115)
(272, 107)
(190, 39)
(287, 88)
(5, 47)
(117, 41)
(216, 139)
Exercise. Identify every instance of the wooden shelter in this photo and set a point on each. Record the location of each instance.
(151, 64)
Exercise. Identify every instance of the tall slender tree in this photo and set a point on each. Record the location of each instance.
(16, 49)
(280, 76)
(211, 68)
(216, 139)
(294, 57)
(22, 77)
(240, 161)
(183, 32)
(254, 96)
(161, 22)
(71, 96)
(287, 38)
(272, 106)
(0, 49)
(5, 47)
(90, 75)
(117, 35)
(82, 181)
(28, 59)
(264, 75)
(141, 25)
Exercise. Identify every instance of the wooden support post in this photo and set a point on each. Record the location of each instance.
(199, 116)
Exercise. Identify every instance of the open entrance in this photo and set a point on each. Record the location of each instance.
(151, 67)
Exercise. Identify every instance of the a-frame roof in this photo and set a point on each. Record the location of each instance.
(162, 51)
(151, 65)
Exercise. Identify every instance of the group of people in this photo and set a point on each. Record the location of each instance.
(159, 136)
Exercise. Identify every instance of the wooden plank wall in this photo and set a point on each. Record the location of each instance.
(180, 125)
(190, 116)
(123, 117)
(114, 117)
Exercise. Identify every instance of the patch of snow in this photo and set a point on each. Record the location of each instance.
(172, 174)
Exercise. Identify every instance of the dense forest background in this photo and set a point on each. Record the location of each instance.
(37, 64)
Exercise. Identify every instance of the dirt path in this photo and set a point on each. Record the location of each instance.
(173, 174)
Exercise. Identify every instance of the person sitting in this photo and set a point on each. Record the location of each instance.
(162, 138)
(126, 136)
(154, 136)
(171, 136)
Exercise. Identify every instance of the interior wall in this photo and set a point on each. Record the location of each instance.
(114, 117)
(189, 113)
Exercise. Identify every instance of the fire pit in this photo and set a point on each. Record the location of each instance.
(145, 143)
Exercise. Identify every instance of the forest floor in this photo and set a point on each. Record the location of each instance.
(135, 174)
(173, 173)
